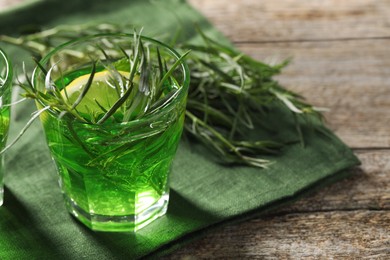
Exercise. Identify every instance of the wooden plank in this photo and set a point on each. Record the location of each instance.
(367, 188)
(350, 78)
(349, 219)
(324, 235)
(269, 20)
(9, 3)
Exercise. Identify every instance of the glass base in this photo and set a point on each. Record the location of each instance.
(127, 223)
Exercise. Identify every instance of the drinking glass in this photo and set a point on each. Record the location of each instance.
(113, 171)
(5, 97)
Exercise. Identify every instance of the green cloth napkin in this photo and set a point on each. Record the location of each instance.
(34, 223)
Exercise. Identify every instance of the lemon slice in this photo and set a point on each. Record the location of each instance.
(101, 92)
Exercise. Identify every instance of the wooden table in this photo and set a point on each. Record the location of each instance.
(341, 60)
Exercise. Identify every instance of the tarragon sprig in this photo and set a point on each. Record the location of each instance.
(227, 84)
(228, 92)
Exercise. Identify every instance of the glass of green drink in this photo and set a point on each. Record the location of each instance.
(113, 109)
(5, 98)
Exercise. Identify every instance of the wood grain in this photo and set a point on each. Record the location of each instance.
(368, 187)
(349, 219)
(9, 3)
(269, 20)
(321, 235)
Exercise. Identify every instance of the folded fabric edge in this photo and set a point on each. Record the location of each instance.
(187, 238)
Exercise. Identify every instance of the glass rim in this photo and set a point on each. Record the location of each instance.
(166, 109)
(8, 73)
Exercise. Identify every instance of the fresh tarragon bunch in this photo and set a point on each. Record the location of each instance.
(228, 92)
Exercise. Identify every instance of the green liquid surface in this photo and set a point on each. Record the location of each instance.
(115, 170)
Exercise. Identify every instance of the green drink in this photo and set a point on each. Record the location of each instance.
(5, 97)
(113, 170)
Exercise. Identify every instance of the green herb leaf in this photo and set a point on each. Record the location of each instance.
(229, 91)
